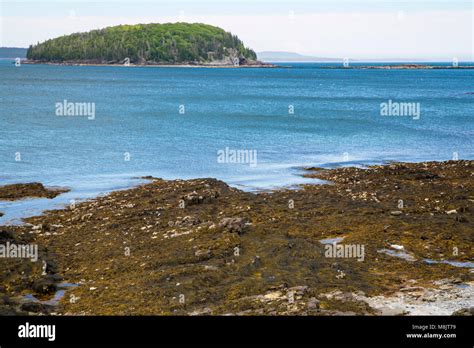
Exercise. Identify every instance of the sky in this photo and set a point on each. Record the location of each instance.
(364, 29)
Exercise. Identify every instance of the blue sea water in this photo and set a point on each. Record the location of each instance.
(336, 121)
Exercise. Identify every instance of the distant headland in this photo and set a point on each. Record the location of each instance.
(185, 44)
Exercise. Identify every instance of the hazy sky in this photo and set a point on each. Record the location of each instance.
(433, 29)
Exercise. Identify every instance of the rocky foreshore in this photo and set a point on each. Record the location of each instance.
(394, 239)
(14, 192)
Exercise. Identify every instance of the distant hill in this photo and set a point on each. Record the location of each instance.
(280, 56)
(170, 43)
(12, 52)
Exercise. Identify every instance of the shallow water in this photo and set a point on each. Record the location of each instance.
(331, 240)
(336, 122)
(406, 256)
(16, 210)
(54, 301)
(397, 253)
(452, 263)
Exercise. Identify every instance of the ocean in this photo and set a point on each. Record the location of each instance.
(253, 128)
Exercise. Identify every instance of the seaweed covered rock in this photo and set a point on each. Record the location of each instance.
(236, 225)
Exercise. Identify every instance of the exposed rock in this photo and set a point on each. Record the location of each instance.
(34, 307)
(203, 253)
(389, 311)
(298, 290)
(465, 312)
(43, 286)
(313, 303)
(34, 189)
(187, 221)
(221, 271)
(236, 225)
(193, 198)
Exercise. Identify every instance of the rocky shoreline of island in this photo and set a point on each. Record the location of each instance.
(384, 240)
(254, 64)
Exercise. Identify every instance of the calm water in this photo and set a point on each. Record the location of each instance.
(336, 121)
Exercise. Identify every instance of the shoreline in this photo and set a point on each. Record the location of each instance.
(300, 171)
(282, 65)
(157, 65)
(191, 250)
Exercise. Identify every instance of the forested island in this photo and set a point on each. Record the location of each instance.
(147, 44)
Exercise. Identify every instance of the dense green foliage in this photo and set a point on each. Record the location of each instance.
(155, 43)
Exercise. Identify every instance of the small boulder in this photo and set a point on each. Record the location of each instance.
(34, 307)
(236, 225)
(193, 198)
(190, 220)
(43, 286)
(313, 303)
(464, 312)
(204, 253)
